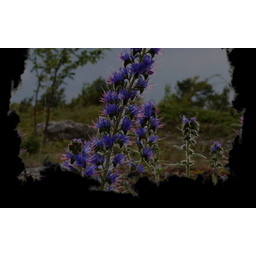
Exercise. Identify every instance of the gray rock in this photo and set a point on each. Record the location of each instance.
(67, 129)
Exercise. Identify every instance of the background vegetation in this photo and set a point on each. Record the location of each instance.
(211, 110)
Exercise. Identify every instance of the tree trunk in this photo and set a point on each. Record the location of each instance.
(48, 116)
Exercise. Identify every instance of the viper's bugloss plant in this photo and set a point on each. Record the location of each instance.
(190, 130)
(116, 121)
(217, 152)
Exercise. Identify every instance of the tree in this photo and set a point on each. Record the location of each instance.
(40, 77)
(219, 102)
(53, 60)
(168, 96)
(26, 103)
(58, 98)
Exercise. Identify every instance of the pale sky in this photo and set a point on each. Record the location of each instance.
(176, 64)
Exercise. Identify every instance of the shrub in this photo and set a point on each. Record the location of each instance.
(32, 143)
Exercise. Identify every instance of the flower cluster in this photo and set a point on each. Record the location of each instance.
(116, 121)
(147, 125)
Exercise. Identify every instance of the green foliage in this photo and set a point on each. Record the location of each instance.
(58, 99)
(32, 143)
(26, 104)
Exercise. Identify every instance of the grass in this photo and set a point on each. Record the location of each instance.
(214, 126)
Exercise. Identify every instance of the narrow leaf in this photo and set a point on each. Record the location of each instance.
(178, 147)
(195, 154)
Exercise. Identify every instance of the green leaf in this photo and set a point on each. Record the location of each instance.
(179, 128)
(147, 166)
(159, 172)
(237, 125)
(195, 154)
(135, 151)
(178, 148)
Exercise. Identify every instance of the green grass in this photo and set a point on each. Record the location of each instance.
(214, 126)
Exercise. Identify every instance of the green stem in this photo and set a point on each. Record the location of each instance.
(115, 128)
(188, 157)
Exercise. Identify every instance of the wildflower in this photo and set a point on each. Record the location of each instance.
(147, 153)
(138, 68)
(110, 110)
(241, 121)
(110, 188)
(132, 165)
(139, 144)
(132, 110)
(103, 124)
(111, 179)
(185, 120)
(109, 97)
(87, 149)
(124, 55)
(118, 159)
(154, 123)
(192, 119)
(140, 168)
(68, 155)
(107, 140)
(121, 139)
(126, 124)
(81, 160)
(94, 159)
(148, 62)
(98, 144)
(90, 170)
(70, 167)
(118, 77)
(152, 139)
(141, 132)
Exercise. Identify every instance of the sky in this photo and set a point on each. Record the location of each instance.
(176, 64)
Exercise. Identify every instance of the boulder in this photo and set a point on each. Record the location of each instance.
(67, 129)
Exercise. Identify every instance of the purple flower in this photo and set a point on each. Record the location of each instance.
(126, 124)
(241, 121)
(140, 132)
(131, 164)
(122, 138)
(154, 123)
(147, 153)
(124, 95)
(152, 138)
(132, 110)
(81, 160)
(148, 62)
(109, 97)
(147, 108)
(138, 68)
(215, 146)
(140, 168)
(110, 188)
(111, 109)
(103, 124)
(68, 155)
(98, 144)
(87, 148)
(94, 159)
(107, 140)
(192, 119)
(185, 120)
(141, 84)
(90, 170)
(113, 178)
(124, 55)
(118, 159)
(118, 76)
(70, 167)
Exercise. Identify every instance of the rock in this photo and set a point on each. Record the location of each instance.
(67, 129)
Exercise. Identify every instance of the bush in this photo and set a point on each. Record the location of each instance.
(32, 143)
